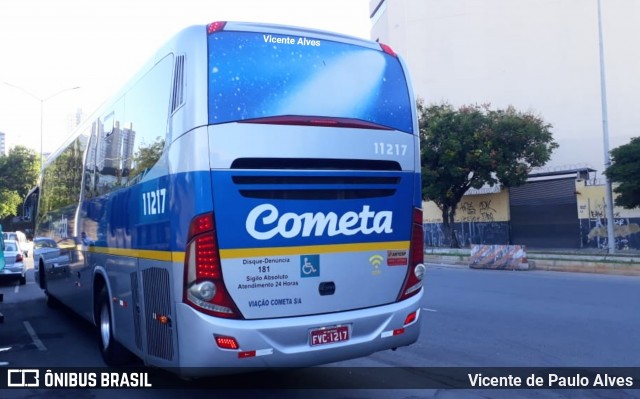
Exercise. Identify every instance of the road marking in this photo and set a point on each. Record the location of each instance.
(16, 289)
(429, 310)
(34, 336)
(4, 350)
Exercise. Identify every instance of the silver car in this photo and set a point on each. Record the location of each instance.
(47, 258)
(14, 265)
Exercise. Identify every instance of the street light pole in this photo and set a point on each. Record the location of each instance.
(42, 101)
(41, 136)
(605, 134)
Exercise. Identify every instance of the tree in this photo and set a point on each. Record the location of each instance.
(147, 156)
(18, 174)
(19, 170)
(62, 179)
(475, 146)
(9, 203)
(625, 169)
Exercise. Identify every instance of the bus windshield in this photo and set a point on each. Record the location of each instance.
(259, 75)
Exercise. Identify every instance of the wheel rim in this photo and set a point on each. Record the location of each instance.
(105, 325)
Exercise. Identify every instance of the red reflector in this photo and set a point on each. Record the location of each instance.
(216, 26)
(327, 122)
(388, 50)
(242, 355)
(411, 317)
(227, 343)
(19, 258)
(398, 331)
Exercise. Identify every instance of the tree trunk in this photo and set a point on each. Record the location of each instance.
(448, 220)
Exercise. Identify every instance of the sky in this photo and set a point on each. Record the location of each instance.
(50, 47)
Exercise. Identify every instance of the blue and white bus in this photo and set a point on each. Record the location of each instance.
(251, 198)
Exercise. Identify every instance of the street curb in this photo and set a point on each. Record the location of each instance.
(621, 264)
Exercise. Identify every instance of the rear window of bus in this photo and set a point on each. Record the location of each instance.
(258, 75)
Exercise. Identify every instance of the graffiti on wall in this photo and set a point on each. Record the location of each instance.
(592, 212)
(468, 233)
(483, 213)
(480, 219)
(626, 232)
(593, 227)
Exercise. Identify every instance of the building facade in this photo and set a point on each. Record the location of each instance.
(560, 210)
(539, 56)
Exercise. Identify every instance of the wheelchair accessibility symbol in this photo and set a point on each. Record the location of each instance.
(310, 266)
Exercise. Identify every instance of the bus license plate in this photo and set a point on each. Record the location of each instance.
(322, 336)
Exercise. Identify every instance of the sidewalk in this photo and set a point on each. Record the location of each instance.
(565, 260)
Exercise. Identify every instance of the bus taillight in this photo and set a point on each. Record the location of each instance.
(215, 26)
(415, 273)
(387, 49)
(204, 287)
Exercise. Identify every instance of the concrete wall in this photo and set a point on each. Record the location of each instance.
(480, 219)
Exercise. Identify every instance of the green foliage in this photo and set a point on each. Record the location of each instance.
(62, 178)
(19, 170)
(472, 146)
(625, 170)
(147, 156)
(18, 174)
(9, 203)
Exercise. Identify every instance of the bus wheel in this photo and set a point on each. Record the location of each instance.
(42, 277)
(52, 302)
(113, 353)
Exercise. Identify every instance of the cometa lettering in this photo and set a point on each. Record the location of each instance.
(290, 225)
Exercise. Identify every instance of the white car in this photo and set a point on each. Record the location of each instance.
(14, 265)
(20, 239)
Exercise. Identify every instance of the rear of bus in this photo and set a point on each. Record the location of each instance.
(313, 250)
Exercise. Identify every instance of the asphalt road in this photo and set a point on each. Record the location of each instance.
(470, 318)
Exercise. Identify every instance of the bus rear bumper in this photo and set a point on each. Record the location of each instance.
(286, 342)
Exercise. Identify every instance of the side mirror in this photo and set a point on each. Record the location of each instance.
(30, 204)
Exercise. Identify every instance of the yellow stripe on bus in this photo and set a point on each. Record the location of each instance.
(179, 257)
(313, 249)
(165, 256)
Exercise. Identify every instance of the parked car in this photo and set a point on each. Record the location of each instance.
(48, 256)
(14, 265)
(20, 238)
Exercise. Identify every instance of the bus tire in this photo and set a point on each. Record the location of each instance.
(113, 353)
(52, 302)
(42, 276)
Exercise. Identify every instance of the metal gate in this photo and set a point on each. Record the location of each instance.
(544, 214)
